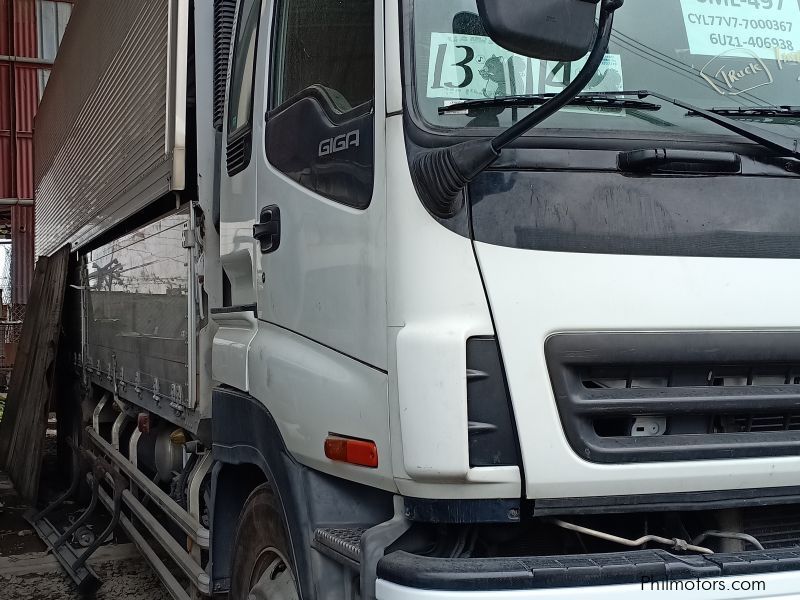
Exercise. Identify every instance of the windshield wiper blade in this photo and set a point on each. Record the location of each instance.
(755, 111)
(590, 100)
(783, 145)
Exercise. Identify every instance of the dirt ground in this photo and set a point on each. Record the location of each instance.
(37, 576)
(27, 572)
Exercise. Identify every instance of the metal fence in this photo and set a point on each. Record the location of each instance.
(10, 330)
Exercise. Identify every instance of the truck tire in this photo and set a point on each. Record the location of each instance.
(261, 566)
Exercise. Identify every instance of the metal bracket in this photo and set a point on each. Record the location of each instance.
(156, 390)
(374, 542)
(195, 487)
(73, 560)
(189, 239)
(121, 383)
(176, 395)
(112, 375)
(98, 411)
(119, 423)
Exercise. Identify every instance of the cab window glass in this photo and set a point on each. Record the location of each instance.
(328, 44)
(320, 127)
(240, 99)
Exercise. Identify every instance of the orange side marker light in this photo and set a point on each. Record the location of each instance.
(363, 453)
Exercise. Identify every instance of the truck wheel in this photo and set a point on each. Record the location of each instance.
(261, 568)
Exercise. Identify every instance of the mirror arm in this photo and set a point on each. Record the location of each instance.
(441, 175)
(575, 87)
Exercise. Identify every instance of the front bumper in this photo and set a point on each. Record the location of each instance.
(742, 576)
(775, 586)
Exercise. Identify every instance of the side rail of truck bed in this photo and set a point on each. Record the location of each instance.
(153, 520)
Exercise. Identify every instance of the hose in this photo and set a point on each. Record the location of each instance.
(674, 543)
(744, 537)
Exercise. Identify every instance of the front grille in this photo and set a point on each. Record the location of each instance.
(762, 423)
(678, 396)
(775, 527)
(682, 376)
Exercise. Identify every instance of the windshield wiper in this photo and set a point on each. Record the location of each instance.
(591, 100)
(755, 111)
(724, 117)
(783, 145)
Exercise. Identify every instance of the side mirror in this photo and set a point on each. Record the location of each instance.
(558, 30)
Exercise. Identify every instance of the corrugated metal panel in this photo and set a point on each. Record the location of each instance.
(24, 32)
(5, 48)
(24, 155)
(6, 155)
(25, 42)
(103, 140)
(27, 97)
(26, 100)
(22, 253)
(5, 96)
(19, 90)
(52, 18)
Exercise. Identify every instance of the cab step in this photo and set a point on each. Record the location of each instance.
(361, 548)
(340, 544)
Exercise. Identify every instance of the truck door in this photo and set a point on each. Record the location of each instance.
(238, 190)
(320, 210)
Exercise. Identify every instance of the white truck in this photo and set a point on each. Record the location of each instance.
(416, 299)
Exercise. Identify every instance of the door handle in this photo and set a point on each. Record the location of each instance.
(268, 229)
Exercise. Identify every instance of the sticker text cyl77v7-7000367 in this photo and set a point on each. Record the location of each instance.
(743, 28)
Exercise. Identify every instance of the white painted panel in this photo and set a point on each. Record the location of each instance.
(436, 303)
(535, 294)
(231, 342)
(313, 391)
(328, 279)
(776, 586)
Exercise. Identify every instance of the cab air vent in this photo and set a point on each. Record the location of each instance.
(492, 439)
(224, 16)
(238, 154)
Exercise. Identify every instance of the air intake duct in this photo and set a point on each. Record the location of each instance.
(492, 434)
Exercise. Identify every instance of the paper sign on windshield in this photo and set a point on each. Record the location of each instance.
(472, 67)
(608, 77)
(744, 28)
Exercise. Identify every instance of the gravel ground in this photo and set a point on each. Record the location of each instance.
(124, 574)
(27, 572)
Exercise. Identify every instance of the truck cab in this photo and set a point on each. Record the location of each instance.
(588, 335)
(464, 299)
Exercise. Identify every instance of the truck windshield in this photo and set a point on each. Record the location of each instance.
(715, 54)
